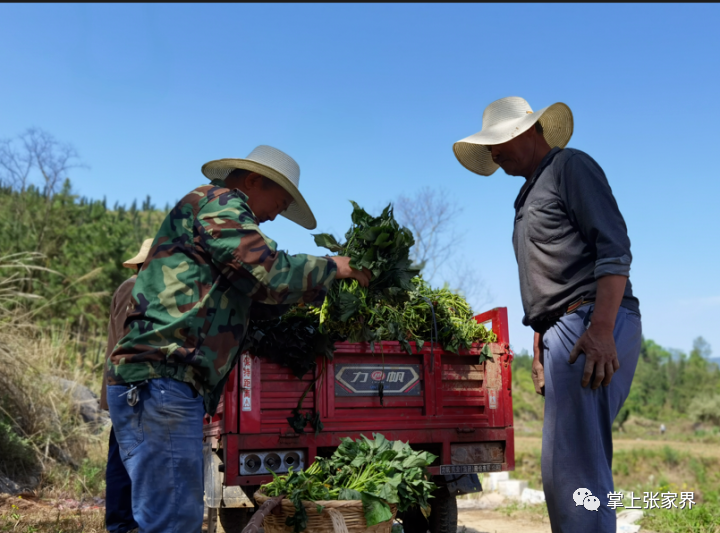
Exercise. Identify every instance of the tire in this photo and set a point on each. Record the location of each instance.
(443, 517)
(413, 521)
(233, 520)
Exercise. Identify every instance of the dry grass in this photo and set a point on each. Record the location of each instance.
(29, 515)
(44, 443)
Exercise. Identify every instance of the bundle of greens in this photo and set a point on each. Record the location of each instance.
(380, 245)
(375, 471)
(293, 340)
(397, 306)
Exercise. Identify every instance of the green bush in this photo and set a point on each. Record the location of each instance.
(705, 409)
(17, 457)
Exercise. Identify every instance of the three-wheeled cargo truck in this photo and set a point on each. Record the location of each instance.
(448, 404)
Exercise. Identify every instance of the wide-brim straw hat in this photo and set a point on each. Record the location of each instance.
(276, 166)
(141, 255)
(505, 119)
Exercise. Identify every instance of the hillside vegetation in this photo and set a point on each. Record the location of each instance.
(671, 388)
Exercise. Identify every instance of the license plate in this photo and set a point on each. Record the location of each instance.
(470, 469)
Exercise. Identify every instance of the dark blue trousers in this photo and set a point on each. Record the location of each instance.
(118, 500)
(577, 445)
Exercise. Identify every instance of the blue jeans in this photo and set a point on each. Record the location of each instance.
(118, 503)
(577, 444)
(160, 440)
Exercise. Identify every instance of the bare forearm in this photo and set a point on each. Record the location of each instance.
(610, 290)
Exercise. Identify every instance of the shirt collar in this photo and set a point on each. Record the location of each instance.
(241, 195)
(539, 170)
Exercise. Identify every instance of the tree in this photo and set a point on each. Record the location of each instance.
(431, 215)
(36, 161)
(80, 240)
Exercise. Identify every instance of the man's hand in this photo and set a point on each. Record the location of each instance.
(345, 271)
(538, 369)
(598, 345)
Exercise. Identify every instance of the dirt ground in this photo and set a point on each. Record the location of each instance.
(484, 521)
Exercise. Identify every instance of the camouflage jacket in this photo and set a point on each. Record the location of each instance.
(190, 305)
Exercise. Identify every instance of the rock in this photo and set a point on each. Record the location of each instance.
(532, 496)
(626, 521)
(628, 528)
(629, 517)
(512, 488)
(85, 401)
(8, 486)
(490, 481)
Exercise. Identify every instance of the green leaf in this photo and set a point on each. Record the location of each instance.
(368, 257)
(325, 240)
(389, 493)
(348, 304)
(486, 354)
(297, 421)
(375, 509)
(359, 215)
(349, 494)
(383, 240)
(414, 461)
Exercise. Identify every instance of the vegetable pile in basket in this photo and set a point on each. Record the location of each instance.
(397, 306)
(377, 472)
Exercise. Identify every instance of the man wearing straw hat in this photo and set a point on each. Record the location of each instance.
(189, 312)
(573, 255)
(118, 508)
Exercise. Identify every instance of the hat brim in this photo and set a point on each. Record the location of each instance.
(472, 152)
(298, 211)
(141, 256)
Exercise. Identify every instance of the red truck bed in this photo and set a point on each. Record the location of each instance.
(448, 404)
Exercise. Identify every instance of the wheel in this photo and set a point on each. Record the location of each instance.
(413, 521)
(232, 520)
(443, 517)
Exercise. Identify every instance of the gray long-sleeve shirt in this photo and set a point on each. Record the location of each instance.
(568, 233)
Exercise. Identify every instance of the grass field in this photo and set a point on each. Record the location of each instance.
(648, 465)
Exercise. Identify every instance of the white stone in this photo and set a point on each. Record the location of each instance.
(490, 481)
(512, 488)
(628, 528)
(532, 496)
(629, 517)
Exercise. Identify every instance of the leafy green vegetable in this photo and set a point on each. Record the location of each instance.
(397, 306)
(375, 471)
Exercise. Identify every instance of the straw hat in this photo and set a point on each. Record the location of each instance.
(505, 119)
(276, 166)
(141, 256)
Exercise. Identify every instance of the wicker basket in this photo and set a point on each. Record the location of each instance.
(338, 516)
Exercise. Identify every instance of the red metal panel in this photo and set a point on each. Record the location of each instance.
(330, 390)
(452, 406)
(499, 323)
(250, 420)
(231, 457)
(230, 403)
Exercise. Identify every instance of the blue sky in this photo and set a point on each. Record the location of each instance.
(369, 100)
